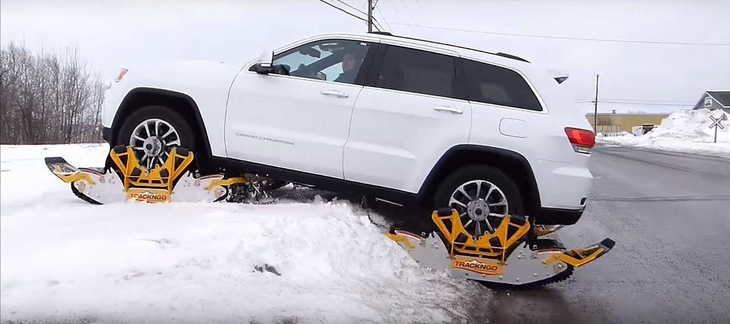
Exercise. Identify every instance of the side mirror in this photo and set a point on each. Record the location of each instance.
(262, 68)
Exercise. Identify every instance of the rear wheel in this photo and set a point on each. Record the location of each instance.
(152, 130)
(482, 195)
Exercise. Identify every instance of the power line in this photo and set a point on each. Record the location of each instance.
(638, 100)
(343, 10)
(377, 23)
(605, 40)
(348, 13)
(352, 7)
(379, 26)
(390, 28)
(638, 103)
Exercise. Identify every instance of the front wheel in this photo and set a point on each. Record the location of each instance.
(482, 195)
(151, 131)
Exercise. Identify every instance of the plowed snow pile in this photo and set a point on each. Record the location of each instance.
(684, 131)
(66, 260)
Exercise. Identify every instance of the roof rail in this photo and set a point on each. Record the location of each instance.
(509, 56)
(514, 57)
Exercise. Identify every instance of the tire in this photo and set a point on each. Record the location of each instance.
(468, 178)
(182, 136)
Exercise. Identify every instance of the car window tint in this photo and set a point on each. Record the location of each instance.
(417, 71)
(500, 86)
(330, 60)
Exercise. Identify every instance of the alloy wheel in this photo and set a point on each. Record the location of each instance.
(481, 206)
(151, 139)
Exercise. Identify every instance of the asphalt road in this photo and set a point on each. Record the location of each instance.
(670, 216)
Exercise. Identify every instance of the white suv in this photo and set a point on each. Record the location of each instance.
(399, 119)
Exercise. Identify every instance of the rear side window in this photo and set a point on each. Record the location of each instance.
(497, 85)
(417, 71)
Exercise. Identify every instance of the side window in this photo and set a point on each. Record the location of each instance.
(417, 71)
(497, 85)
(330, 60)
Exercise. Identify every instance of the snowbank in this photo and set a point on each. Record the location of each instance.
(684, 131)
(66, 260)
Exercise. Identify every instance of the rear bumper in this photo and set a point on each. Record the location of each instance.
(558, 216)
(106, 134)
(563, 185)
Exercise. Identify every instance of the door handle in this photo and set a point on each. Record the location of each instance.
(449, 110)
(334, 93)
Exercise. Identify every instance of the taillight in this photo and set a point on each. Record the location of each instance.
(581, 139)
(121, 75)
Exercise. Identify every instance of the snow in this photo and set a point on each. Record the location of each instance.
(66, 260)
(684, 131)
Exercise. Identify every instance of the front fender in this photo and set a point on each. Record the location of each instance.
(204, 84)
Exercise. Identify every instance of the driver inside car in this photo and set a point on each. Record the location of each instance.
(350, 66)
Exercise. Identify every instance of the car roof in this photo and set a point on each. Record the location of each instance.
(498, 58)
(447, 45)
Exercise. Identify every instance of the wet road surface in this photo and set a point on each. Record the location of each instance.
(670, 216)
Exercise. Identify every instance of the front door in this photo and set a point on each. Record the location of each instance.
(299, 118)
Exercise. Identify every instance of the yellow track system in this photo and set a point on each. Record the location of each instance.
(502, 257)
(159, 184)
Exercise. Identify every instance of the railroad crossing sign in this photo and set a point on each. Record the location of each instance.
(716, 122)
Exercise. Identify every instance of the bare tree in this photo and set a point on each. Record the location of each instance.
(48, 99)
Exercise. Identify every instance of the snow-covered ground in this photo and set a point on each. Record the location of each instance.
(65, 260)
(683, 131)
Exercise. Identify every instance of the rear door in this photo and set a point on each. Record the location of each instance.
(405, 119)
(297, 118)
(508, 111)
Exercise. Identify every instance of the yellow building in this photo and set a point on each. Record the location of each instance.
(615, 123)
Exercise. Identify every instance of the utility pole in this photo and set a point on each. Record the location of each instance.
(595, 108)
(370, 16)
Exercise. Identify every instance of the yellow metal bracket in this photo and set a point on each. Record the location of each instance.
(153, 185)
(72, 177)
(581, 257)
(226, 182)
(161, 176)
(510, 232)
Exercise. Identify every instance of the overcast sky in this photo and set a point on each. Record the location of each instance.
(113, 34)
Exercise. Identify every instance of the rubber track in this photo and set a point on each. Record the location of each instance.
(502, 286)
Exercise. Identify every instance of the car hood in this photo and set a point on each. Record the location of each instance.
(182, 75)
